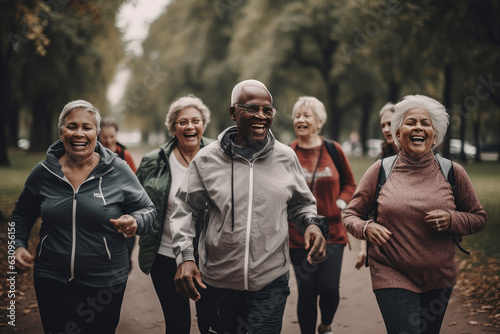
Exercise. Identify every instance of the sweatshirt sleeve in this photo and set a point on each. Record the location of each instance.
(469, 216)
(356, 215)
(27, 208)
(302, 205)
(136, 201)
(189, 205)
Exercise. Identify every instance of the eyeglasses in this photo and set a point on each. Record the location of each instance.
(185, 122)
(253, 109)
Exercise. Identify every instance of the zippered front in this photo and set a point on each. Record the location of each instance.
(73, 215)
(249, 225)
(41, 245)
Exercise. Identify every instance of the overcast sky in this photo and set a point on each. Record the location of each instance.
(134, 20)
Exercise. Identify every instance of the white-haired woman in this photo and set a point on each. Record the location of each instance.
(81, 262)
(161, 172)
(413, 263)
(333, 189)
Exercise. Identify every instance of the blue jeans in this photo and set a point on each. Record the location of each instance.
(253, 312)
(407, 312)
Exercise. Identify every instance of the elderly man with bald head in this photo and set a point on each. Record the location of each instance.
(240, 191)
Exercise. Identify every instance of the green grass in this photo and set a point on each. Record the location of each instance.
(485, 178)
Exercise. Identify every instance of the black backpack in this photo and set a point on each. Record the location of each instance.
(446, 167)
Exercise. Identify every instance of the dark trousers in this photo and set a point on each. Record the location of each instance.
(407, 312)
(321, 280)
(252, 312)
(175, 306)
(76, 308)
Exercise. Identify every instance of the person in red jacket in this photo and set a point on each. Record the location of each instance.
(332, 192)
(108, 138)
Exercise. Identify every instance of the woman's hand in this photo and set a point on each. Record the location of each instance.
(438, 220)
(126, 224)
(361, 255)
(24, 260)
(377, 234)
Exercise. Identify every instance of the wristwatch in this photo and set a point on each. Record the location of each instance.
(321, 222)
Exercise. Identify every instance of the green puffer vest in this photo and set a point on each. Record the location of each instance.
(155, 176)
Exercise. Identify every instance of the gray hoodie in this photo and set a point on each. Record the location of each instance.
(243, 206)
(77, 241)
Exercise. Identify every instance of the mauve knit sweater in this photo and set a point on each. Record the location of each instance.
(415, 258)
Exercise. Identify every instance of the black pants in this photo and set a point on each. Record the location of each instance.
(321, 280)
(73, 307)
(175, 306)
(407, 312)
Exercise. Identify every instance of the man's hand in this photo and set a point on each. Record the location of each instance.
(24, 260)
(126, 224)
(185, 278)
(314, 237)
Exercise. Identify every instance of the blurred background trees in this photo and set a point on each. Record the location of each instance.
(354, 55)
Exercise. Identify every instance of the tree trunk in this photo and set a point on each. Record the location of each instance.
(4, 107)
(41, 128)
(367, 107)
(333, 111)
(476, 127)
(447, 103)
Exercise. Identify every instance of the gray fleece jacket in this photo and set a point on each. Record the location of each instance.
(243, 205)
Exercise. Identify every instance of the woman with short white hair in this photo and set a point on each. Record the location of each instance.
(412, 260)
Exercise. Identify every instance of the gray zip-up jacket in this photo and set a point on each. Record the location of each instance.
(77, 241)
(243, 205)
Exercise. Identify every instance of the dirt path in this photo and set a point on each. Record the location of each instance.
(357, 313)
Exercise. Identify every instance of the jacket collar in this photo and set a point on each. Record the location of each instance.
(56, 151)
(226, 142)
(167, 148)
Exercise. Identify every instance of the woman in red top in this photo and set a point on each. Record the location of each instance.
(107, 137)
(309, 116)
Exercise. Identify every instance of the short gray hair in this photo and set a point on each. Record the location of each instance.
(236, 93)
(316, 105)
(439, 117)
(181, 104)
(388, 106)
(79, 104)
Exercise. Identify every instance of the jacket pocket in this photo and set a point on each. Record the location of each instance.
(107, 248)
(41, 245)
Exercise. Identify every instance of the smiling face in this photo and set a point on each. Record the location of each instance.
(385, 124)
(251, 128)
(79, 134)
(305, 122)
(189, 134)
(107, 137)
(416, 134)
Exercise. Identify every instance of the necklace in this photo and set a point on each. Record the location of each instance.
(182, 155)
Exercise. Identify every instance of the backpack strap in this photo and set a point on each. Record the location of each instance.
(446, 166)
(386, 166)
(334, 154)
